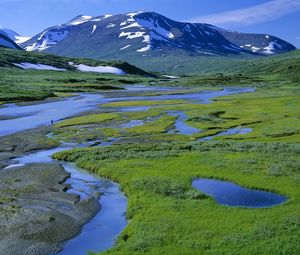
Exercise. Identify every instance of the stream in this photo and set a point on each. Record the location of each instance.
(32, 116)
(100, 232)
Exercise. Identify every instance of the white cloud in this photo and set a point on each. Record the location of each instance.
(252, 15)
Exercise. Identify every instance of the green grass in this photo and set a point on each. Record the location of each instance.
(157, 126)
(155, 169)
(286, 65)
(166, 215)
(272, 114)
(88, 119)
(25, 85)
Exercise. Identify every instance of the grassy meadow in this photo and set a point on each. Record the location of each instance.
(155, 169)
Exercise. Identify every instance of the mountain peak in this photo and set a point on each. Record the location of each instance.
(79, 20)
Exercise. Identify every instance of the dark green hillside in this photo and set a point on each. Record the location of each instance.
(283, 64)
(8, 57)
(18, 84)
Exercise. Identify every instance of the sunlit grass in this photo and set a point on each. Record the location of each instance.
(88, 119)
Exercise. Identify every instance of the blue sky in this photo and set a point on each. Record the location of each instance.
(277, 17)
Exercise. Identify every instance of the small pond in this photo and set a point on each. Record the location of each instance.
(230, 194)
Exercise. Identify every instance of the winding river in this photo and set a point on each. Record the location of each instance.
(101, 231)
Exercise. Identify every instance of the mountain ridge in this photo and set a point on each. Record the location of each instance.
(141, 34)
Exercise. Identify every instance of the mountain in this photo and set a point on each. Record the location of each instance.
(14, 36)
(140, 34)
(6, 42)
(258, 43)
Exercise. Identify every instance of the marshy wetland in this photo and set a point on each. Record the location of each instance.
(149, 145)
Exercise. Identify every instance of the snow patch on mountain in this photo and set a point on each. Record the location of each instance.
(125, 47)
(147, 48)
(132, 14)
(255, 49)
(135, 24)
(98, 69)
(21, 39)
(154, 26)
(110, 25)
(47, 39)
(270, 49)
(94, 28)
(26, 65)
(155, 36)
(79, 20)
(250, 47)
(96, 19)
(131, 35)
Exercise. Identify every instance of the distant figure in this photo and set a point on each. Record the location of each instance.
(52, 122)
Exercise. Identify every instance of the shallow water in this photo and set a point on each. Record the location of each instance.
(32, 116)
(180, 127)
(230, 131)
(231, 194)
(200, 96)
(131, 124)
(100, 232)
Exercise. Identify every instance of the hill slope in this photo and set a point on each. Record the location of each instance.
(6, 42)
(34, 76)
(185, 65)
(42, 61)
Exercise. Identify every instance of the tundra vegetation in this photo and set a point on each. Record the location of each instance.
(155, 167)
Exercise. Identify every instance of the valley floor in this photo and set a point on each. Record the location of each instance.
(160, 146)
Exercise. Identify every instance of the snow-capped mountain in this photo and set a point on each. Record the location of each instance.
(140, 34)
(6, 39)
(12, 35)
(258, 43)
